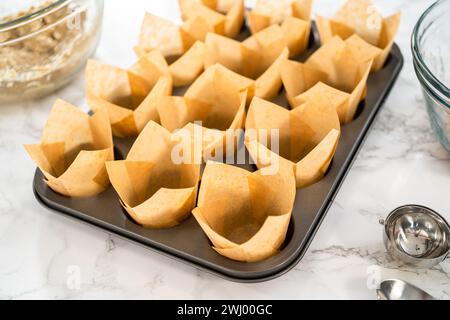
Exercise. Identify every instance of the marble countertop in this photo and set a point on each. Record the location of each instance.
(400, 163)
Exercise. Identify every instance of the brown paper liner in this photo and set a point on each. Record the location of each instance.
(217, 99)
(150, 67)
(361, 23)
(191, 9)
(73, 150)
(129, 98)
(333, 75)
(223, 17)
(164, 35)
(258, 57)
(154, 190)
(308, 136)
(297, 41)
(253, 226)
(268, 85)
(170, 39)
(268, 12)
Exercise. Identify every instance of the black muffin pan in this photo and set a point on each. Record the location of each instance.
(188, 243)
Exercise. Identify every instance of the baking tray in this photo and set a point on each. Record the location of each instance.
(188, 243)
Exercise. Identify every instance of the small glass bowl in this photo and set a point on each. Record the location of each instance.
(44, 46)
(431, 56)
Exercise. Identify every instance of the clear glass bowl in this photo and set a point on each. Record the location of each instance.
(44, 43)
(431, 55)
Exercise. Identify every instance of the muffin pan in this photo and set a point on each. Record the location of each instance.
(310, 208)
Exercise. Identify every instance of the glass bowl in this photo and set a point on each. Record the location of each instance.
(44, 43)
(431, 56)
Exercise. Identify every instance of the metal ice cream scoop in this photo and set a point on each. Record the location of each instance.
(400, 290)
(417, 236)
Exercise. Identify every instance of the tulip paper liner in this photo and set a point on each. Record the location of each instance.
(225, 17)
(293, 16)
(73, 150)
(332, 75)
(154, 190)
(182, 46)
(308, 137)
(130, 96)
(216, 100)
(252, 227)
(375, 34)
(188, 67)
(170, 39)
(258, 57)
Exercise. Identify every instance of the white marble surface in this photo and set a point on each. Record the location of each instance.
(400, 163)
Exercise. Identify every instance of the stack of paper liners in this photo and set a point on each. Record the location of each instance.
(245, 215)
(307, 140)
(73, 150)
(130, 96)
(224, 17)
(217, 100)
(331, 76)
(360, 21)
(181, 46)
(292, 14)
(154, 190)
(259, 57)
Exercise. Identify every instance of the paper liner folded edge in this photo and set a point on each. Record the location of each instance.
(258, 248)
(151, 215)
(328, 28)
(348, 109)
(235, 19)
(314, 166)
(322, 154)
(246, 84)
(300, 10)
(123, 121)
(184, 39)
(171, 216)
(193, 58)
(272, 233)
(238, 123)
(64, 184)
(301, 40)
(182, 199)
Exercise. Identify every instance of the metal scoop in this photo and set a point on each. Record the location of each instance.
(417, 236)
(400, 290)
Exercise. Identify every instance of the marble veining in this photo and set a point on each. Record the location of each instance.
(43, 254)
